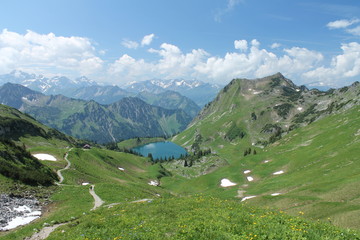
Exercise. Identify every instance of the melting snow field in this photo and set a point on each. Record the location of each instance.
(44, 156)
(278, 172)
(28, 217)
(227, 183)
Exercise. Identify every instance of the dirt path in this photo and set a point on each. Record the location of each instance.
(67, 167)
(97, 200)
(45, 232)
(142, 200)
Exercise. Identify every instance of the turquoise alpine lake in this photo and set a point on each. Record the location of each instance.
(161, 150)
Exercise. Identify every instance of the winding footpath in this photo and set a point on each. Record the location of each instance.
(66, 167)
(46, 231)
(97, 200)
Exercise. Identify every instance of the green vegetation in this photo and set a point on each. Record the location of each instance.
(319, 178)
(18, 164)
(135, 142)
(130, 117)
(283, 109)
(196, 217)
(234, 132)
(306, 179)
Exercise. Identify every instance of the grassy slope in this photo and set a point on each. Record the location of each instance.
(195, 217)
(321, 177)
(99, 167)
(316, 179)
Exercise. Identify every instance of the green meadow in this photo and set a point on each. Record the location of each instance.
(315, 196)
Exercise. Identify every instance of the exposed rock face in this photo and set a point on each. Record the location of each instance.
(12, 207)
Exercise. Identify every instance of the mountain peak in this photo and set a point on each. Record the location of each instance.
(53, 85)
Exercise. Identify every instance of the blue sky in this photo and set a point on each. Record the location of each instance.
(116, 42)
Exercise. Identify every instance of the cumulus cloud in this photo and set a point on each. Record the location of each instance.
(172, 64)
(345, 65)
(343, 23)
(33, 50)
(255, 62)
(147, 39)
(241, 45)
(275, 45)
(48, 52)
(130, 44)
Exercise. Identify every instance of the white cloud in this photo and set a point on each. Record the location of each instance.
(343, 23)
(241, 45)
(231, 4)
(147, 39)
(173, 63)
(130, 44)
(354, 31)
(47, 51)
(255, 43)
(275, 45)
(343, 66)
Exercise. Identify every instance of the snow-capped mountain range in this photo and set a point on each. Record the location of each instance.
(198, 91)
(84, 88)
(53, 85)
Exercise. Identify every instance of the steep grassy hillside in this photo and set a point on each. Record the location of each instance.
(18, 164)
(17, 126)
(20, 133)
(117, 177)
(317, 168)
(263, 110)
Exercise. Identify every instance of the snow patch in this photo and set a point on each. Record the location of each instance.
(250, 179)
(28, 217)
(275, 194)
(227, 183)
(247, 171)
(44, 156)
(278, 172)
(23, 208)
(153, 183)
(246, 198)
